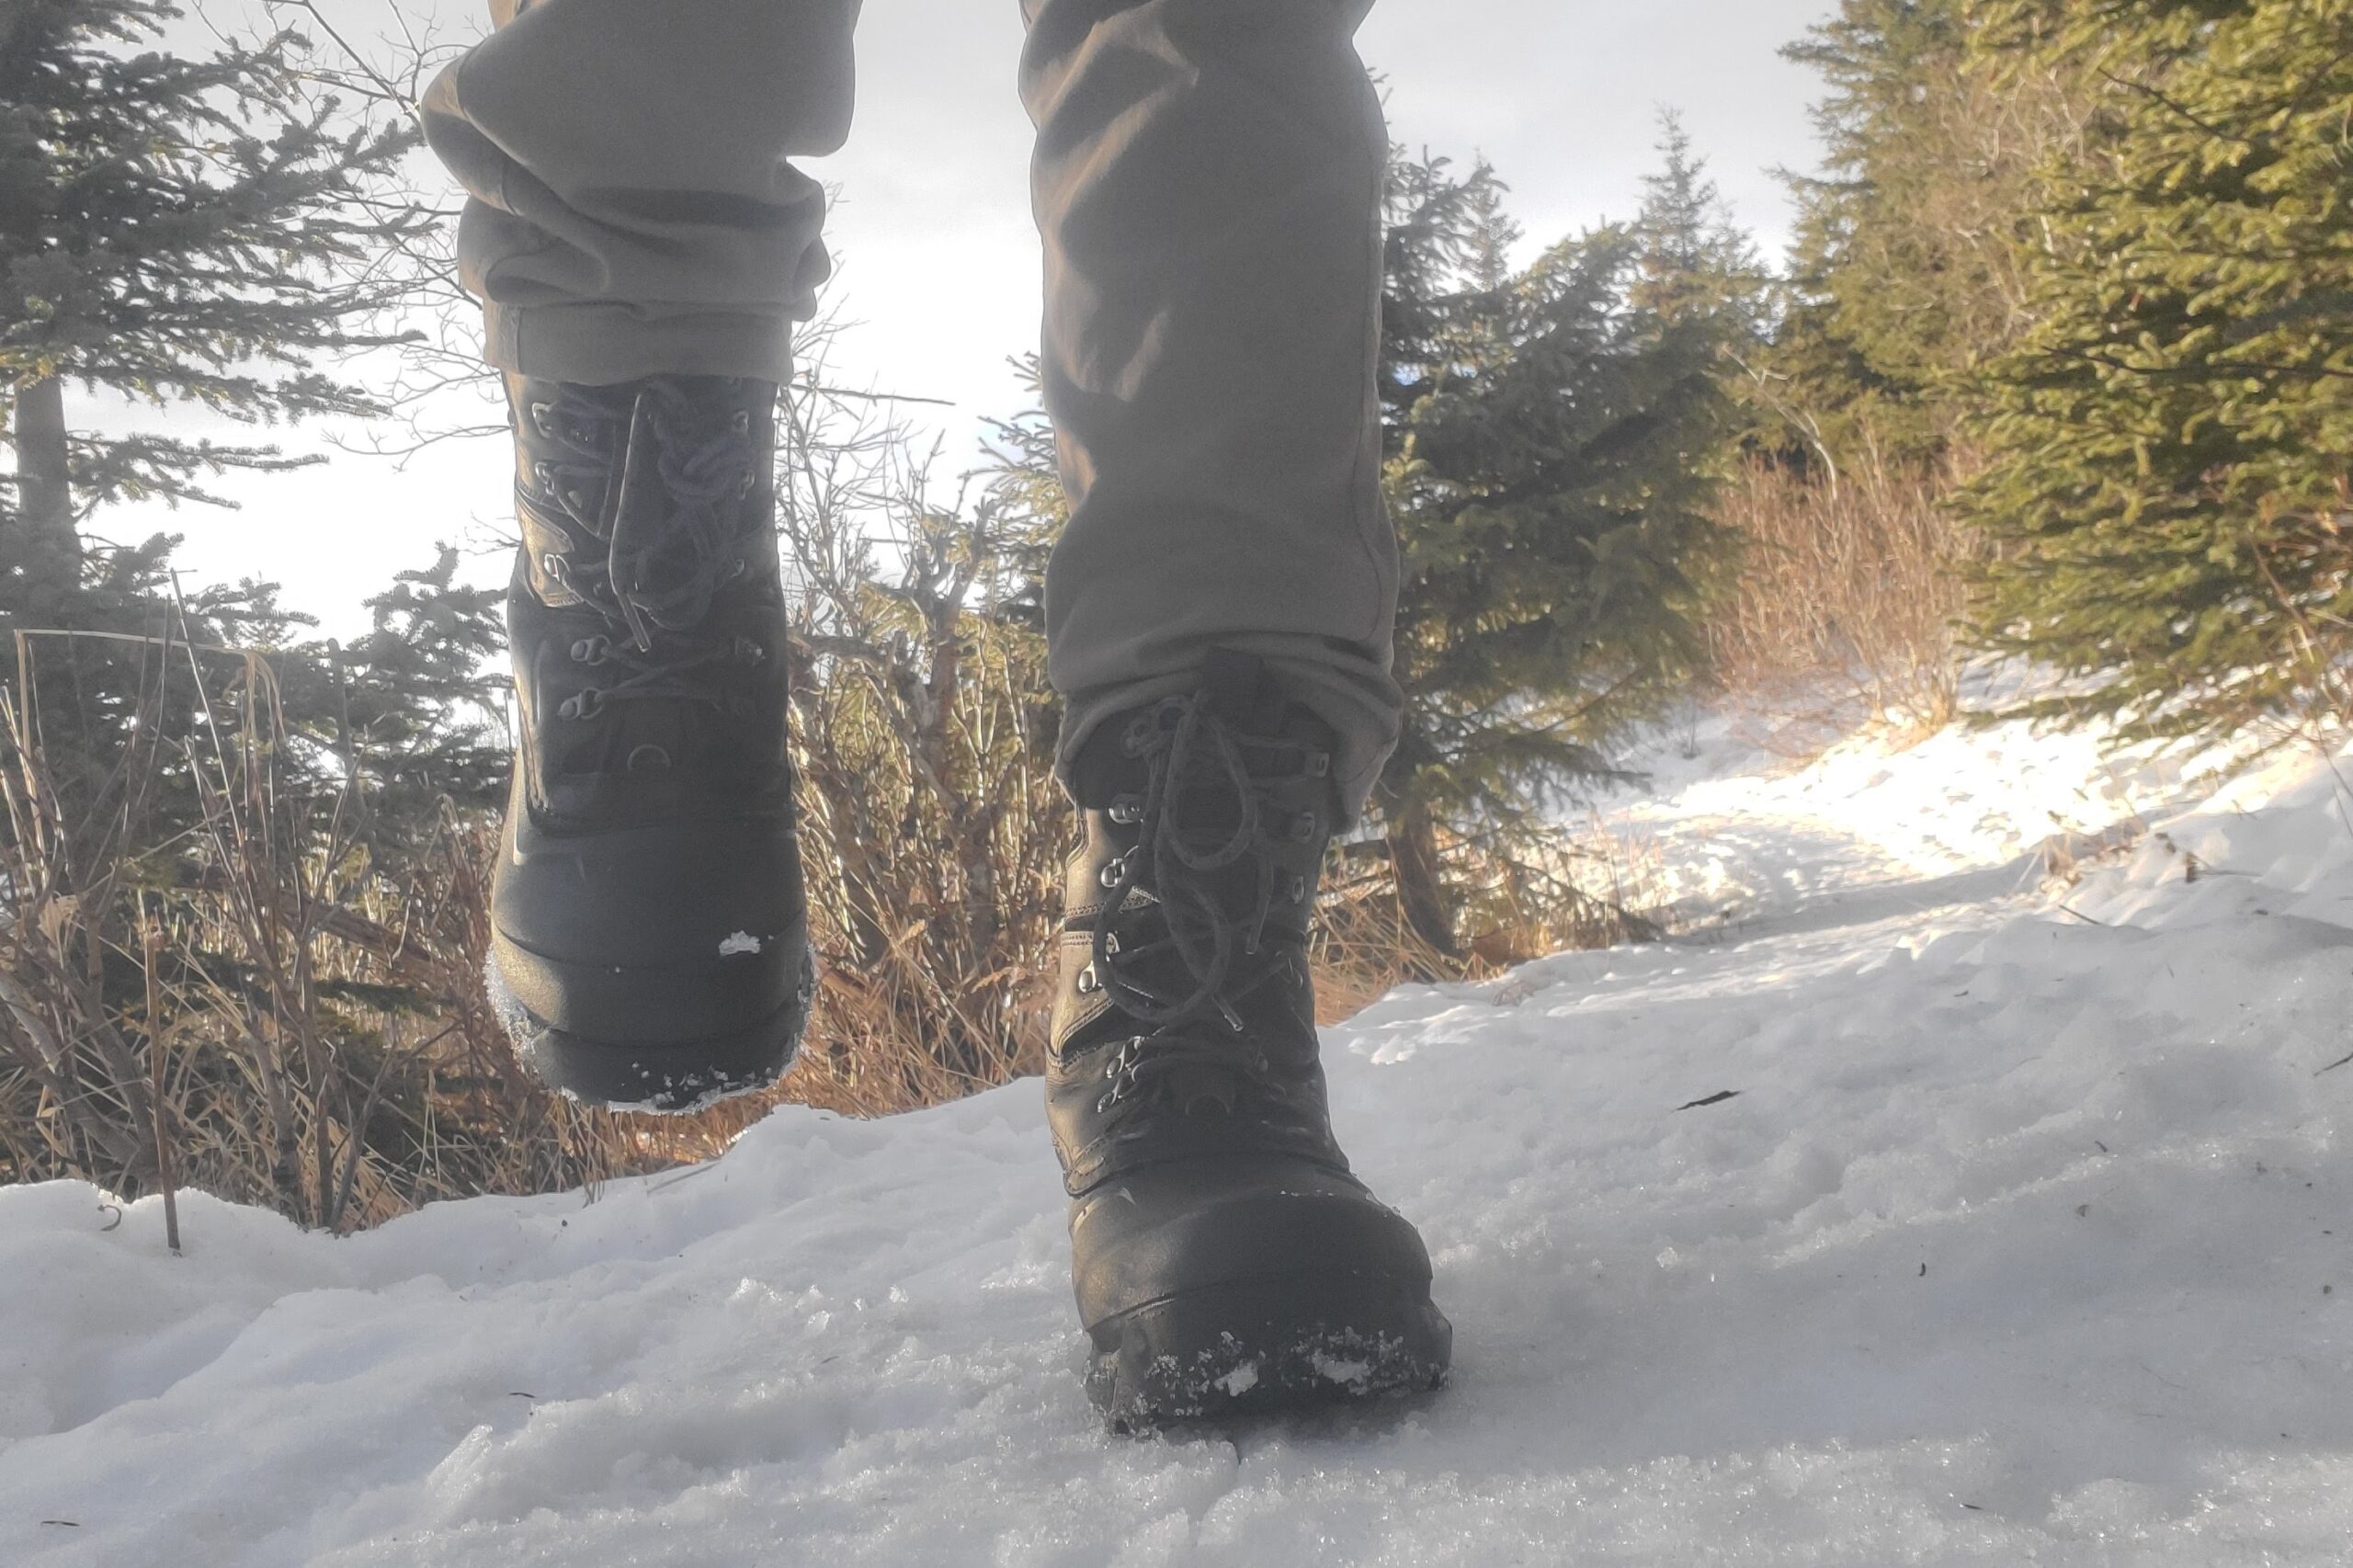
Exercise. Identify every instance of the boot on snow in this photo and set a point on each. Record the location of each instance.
(1224, 1259)
(648, 945)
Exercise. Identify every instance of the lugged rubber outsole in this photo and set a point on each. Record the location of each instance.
(1266, 1347)
(670, 1079)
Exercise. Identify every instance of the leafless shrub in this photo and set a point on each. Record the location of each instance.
(244, 994)
(924, 735)
(1850, 589)
(1541, 893)
(250, 1002)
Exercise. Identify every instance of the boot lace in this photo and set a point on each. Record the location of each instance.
(661, 572)
(1192, 756)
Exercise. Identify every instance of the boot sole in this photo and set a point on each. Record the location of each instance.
(1266, 1347)
(675, 1078)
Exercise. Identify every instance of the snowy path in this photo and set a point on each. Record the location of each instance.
(2028, 1237)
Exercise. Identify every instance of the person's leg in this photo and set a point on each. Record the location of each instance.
(1208, 185)
(1219, 610)
(631, 207)
(641, 246)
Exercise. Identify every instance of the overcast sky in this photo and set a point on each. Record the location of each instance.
(939, 262)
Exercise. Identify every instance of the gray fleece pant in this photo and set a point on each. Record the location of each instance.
(1207, 185)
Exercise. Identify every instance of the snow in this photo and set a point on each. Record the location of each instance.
(2024, 1238)
(1741, 831)
(738, 942)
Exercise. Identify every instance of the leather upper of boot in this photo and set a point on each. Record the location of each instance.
(1183, 1025)
(646, 615)
(651, 829)
(1184, 1087)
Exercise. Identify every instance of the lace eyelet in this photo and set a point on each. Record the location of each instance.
(1088, 983)
(1297, 890)
(1319, 765)
(586, 705)
(542, 417)
(1103, 1103)
(649, 759)
(1127, 809)
(592, 650)
(740, 422)
(543, 479)
(1113, 871)
(553, 565)
(749, 480)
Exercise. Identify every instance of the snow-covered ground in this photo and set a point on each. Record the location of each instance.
(2027, 1235)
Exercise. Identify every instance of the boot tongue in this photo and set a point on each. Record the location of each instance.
(1237, 689)
(1240, 690)
(672, 523)
(1235, 686)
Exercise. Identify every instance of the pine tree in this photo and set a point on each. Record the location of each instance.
(1553, 436)
(200, 234)
(1903, 278)
(409, 709)
(175, 230)
(1697, 266)
(2169, 477)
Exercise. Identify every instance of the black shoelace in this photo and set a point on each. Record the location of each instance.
(1192, 756)
(662, 568)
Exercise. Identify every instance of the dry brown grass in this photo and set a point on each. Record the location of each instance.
(285, 1020)
(260, 993)
(273, 1015)
(255, 1003)
(1545, 892)
(1849, 593)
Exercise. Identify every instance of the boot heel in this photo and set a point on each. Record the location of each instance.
(1266, 1345)
(675, 1079)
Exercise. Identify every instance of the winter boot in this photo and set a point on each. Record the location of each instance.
(1224, 1259)
(649, 946)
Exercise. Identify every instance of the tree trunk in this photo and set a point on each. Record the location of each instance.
(43, 548)
(1421, 894)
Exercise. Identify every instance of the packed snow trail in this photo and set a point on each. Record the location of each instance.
(2025, 1235)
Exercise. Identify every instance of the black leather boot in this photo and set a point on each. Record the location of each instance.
(649, 945)
(1224, 1259)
